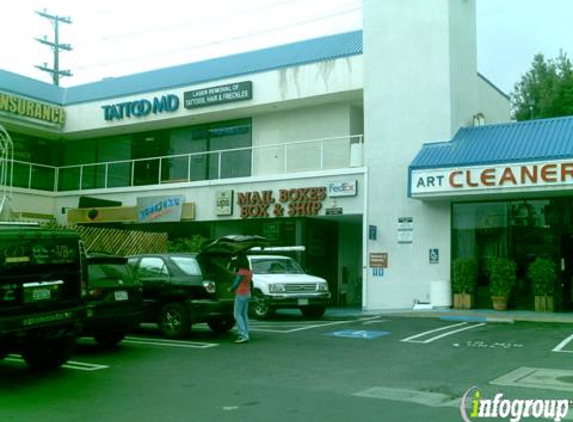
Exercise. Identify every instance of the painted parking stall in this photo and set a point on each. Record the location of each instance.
(71, 364)
(441, 332)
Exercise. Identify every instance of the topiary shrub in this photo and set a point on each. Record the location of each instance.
(465, 274)
(543, 275)
(502, 276)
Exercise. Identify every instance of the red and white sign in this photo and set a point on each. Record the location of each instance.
(492, 178)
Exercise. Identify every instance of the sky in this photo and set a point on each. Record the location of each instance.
(120, 37)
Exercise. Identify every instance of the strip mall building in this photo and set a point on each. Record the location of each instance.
(366, 147)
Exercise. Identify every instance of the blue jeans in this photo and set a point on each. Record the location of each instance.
(241, 314)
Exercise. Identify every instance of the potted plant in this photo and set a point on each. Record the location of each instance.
(465, 273)
(502, 279)
(543, 275)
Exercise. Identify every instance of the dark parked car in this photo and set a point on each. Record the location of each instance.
(115, 299)
(42, 306)
(182, 289)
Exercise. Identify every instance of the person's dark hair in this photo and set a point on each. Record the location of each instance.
(241, 262)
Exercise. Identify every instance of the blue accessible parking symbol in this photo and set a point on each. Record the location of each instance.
(363, 334)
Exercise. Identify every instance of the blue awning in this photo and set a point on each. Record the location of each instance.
(533, 140)
(518, 157)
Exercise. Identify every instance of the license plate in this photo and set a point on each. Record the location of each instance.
(41, 294)
(121, 295)
(42, 291)
(302, 302)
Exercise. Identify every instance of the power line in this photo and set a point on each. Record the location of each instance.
(164, 28)
(56, 47)
(226, 40)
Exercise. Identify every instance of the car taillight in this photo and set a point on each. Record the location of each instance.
(95, 293)
(209, 286)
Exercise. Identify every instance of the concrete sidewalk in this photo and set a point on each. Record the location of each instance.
(474, 315)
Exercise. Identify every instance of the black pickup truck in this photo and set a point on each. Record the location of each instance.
(42, 304)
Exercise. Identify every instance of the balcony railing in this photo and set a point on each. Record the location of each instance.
(260, 160)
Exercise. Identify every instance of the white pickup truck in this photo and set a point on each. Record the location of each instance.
(280, 282)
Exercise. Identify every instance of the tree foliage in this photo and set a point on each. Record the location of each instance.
(546, 90)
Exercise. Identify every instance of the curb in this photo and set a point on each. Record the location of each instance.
(469, 318)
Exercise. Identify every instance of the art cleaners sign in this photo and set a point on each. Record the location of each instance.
(490, 179)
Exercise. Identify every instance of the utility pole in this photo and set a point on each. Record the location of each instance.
(56, 47)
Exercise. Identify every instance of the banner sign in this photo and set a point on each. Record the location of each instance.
(159, 209)
(216, 95)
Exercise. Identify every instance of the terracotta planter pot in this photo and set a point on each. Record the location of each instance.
(499, 303)
(463, 301)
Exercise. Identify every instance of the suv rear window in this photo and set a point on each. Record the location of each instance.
(188, 265)
(102, 273)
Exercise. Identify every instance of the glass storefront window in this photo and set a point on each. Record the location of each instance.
(119, 174)
(194, 153)
(521, 230)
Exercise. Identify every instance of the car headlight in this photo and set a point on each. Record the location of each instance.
(322, 287)
(276, 288)
(209, 286)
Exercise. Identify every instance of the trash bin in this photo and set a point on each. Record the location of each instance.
(441, 294)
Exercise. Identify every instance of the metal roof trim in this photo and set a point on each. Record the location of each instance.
(513, 142)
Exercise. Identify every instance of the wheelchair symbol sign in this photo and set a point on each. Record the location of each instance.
(434, 256)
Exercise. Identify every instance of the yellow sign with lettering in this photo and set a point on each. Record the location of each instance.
(24, 107)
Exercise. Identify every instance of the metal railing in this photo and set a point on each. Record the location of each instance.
(260, 160)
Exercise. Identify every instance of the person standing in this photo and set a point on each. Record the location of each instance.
(242, 288)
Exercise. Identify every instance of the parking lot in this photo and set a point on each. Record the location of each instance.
(359, 368)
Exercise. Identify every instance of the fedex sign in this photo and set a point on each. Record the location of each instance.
(346, 188)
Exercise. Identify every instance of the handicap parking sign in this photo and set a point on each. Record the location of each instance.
(362, 334)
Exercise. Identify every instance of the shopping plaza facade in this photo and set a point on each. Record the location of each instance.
(349, 144)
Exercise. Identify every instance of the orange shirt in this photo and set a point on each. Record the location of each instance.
(244, 288)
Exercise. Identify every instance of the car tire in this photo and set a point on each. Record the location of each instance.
(174, 321)
(313, 311)
(221, 325)
(108, 340)
(259, 307)
(48, 354)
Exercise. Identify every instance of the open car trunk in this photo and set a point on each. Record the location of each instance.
(216, 256)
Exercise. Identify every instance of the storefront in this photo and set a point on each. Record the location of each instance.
(510, 189)
(306, 143)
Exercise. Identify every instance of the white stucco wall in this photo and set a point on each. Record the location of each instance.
(319, 123)
(287, 88)
(203, 194)
(419, 85)
(492, 103)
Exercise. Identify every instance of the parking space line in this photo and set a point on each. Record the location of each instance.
(71, 364)
(560, 346)
(465, 325)
(168, 343)
(313, 324)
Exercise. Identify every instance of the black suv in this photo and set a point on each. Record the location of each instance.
(41, 297)
(115, 300)
(182, 289)
(177, 292)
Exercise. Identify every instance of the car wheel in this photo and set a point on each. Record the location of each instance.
(259, 308)
(174, 321)
(313, 311)
(221, 325)
(46, 354)
(109, 339)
